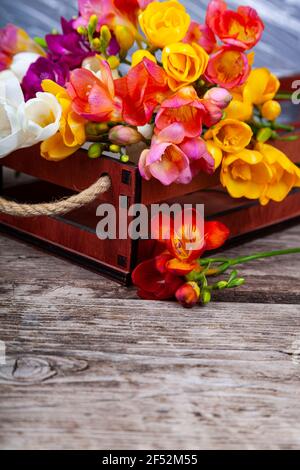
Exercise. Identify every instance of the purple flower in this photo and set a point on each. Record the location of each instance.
(69, 47)
(41, 70)
(113, 47)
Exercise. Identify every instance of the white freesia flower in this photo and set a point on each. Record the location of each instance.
(39, 118)
(25, 124)
(21, 63)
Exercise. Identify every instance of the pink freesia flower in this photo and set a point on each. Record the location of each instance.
(242, 28)
(93, 98)
(173, 158)
(200, 159)
(12, 41)
(202, 35)
(163, 161)
(218, 96)
(229, 67)
(185, 108)
(110, 12)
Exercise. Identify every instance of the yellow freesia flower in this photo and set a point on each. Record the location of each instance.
(125, 36)
(139, 55)
(230, 135)
(264, 173)
(238, 108)
(215, 152)
(184, 63)
(164, 23)
(285, 174)
(260, 87)
(71, 135)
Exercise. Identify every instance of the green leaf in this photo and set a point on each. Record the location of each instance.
(233, 276)
(205, 296)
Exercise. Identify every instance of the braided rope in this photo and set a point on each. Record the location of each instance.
(60, 207)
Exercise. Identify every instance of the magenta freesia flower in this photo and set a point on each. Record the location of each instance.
(69, 47)
(41, 70)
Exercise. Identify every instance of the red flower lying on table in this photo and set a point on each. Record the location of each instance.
(177, 269)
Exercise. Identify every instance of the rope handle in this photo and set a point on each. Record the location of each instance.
(63, 206)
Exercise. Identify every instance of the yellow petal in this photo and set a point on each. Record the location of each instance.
(55, 150)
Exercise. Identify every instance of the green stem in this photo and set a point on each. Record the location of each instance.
(283, 127)
(283, 96)
(228, 263)
(267, 254)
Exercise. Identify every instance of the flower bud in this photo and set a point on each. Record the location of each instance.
(96, 44)
(124, 158)
(82, 30)
(93, 22)
(95, 150)
(271, 110)
(188, 294)
(113, 61)
(206, 296)
(218, 96)
(124, 36)
(114, 148)
(139, 55)
(105, 34)
(236, 283)
(222, 285)
(264, 134)
(123, 135)
(94, 128)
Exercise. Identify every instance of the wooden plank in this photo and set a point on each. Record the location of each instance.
(124, 374)
(274, 280)
(90, 366)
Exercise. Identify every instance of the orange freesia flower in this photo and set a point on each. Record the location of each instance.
(141, 90)
(94, 98)
(182, 242)
(242, 28)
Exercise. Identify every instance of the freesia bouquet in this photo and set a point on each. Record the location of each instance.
(142, 72)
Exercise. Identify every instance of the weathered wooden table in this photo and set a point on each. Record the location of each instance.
(90, 366)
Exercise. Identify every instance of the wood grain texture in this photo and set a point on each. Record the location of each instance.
(90, 366)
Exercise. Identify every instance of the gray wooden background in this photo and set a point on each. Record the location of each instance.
(278, 49)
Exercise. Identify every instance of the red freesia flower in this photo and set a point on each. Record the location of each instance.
(184, 242)
(242, 28)
(141, 90)
(94, 98)
(153, 282)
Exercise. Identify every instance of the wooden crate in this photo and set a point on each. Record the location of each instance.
(74, 235)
